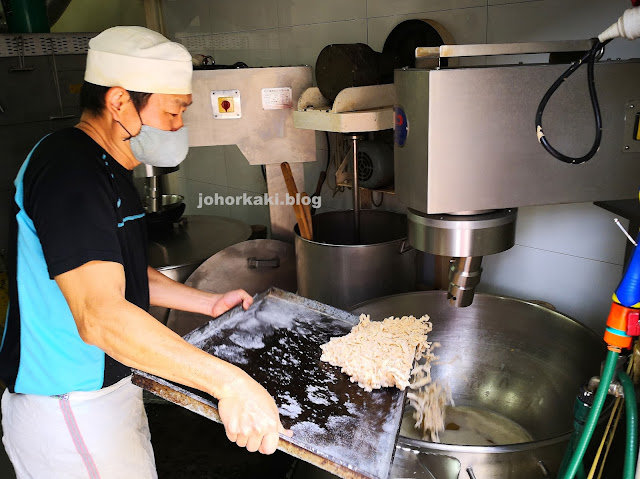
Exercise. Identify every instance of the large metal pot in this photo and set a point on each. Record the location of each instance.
(336, 270)
(179, 251)
(516, 358)
(253, 265)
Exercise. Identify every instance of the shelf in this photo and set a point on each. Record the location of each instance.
(346, 122)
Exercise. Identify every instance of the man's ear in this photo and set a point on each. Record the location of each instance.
(115, 99)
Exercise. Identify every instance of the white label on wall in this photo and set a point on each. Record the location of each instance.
(276, 98)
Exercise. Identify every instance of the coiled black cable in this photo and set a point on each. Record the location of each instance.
(589, 58)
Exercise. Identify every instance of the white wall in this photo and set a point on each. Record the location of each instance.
(569, 255)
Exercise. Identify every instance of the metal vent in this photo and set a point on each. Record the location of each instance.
(365, 166)
(211, 42)
(230, 41)
(38, 44)
(196, 43)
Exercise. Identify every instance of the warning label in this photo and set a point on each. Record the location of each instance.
(276, 98)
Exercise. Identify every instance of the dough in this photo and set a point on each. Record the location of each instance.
(380, 353)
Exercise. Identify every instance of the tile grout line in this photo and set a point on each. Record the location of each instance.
(486, 23)
(567, 254)
(280, 27)
(428, 11)
(278, 33)
(366, 17)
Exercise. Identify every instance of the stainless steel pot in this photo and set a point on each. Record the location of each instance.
(253, 265)
(516, 358)
(178, 252)
(335, 270)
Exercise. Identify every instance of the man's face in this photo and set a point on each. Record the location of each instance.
(165, 111)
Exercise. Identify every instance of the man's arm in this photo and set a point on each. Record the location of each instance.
(171, 294)
(95, 294)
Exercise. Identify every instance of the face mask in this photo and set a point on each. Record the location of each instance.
(156, 147)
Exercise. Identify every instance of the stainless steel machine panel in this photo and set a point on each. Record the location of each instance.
(472, 144)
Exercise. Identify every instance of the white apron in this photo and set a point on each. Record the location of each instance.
(81, 435)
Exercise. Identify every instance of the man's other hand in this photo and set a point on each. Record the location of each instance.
(230, 300)
(250, 416)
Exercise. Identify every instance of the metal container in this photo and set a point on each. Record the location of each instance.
(334, 270)
(510, 356)
(178, 252)
(254, 265)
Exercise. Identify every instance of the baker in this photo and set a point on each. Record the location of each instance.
(80, 284)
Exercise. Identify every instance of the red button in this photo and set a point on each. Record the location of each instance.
(633, 323)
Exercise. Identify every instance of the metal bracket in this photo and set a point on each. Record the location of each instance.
(22, 67)
(56, 80)
(630, 143)
(254, 262)
(344, 177)
(615, 388)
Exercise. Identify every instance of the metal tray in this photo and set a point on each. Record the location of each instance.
(337, 425)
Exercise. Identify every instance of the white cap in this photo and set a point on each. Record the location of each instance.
(138, 59)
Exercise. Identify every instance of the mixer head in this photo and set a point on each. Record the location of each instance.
(465, 238)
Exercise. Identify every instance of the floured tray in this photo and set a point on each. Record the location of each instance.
(337, 425)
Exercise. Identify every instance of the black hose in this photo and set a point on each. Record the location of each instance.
(589, 58)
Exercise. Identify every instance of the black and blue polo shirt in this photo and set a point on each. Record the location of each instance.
(73, 204)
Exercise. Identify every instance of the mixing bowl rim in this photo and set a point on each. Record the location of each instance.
(494, 449)
(490, 295)
(425, 446)
(404, 239)
(332, 245)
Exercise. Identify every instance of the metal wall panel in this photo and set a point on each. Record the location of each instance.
(264, 136)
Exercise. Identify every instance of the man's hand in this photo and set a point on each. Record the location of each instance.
(95, 293)
(230, 300)
(250, 415)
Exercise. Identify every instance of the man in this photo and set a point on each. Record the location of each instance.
(81, 287)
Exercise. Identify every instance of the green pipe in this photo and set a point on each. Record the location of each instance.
(581, 409)
(27, 16)
(631, 408)
(592, 420)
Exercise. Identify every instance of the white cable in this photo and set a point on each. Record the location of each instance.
(627, 26)
(616, 221)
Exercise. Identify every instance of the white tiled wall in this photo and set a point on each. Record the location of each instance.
(569, 255)
(221, 170)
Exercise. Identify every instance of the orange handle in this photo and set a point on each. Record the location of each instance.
(307, 215)
(301, 217)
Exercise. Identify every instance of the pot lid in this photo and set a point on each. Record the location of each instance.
(254, 266)
(194, 239)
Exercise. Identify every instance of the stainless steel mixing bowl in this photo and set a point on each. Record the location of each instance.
(510, 356)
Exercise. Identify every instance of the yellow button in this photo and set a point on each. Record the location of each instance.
(225, 104)
(638, 127)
